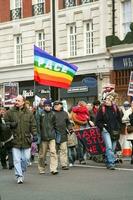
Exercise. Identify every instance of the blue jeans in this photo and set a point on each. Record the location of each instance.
(21, 158)
(110, 148)
(72, 154)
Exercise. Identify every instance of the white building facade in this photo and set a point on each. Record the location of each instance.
(80, 31)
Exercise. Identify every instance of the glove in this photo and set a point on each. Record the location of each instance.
(35, 138)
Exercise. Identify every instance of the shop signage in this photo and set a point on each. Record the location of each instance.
(28, 93)
(123, 62)
(90, 82)
(77, 89)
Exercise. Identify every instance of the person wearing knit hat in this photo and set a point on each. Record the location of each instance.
(47, 102)
(47, 132)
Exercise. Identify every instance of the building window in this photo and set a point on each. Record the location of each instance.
(18, 3)
(127, 17)
(89, 38)
(40, 39)
(18, 49)
(70, 3)
(15, 10)
(72, 35)
(38, 8)
(40, 1)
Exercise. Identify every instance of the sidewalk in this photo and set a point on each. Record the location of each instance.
(125, 163)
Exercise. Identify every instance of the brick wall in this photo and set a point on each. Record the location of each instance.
(27, 8)
(4, 10)
(47, 6)
(61, 4)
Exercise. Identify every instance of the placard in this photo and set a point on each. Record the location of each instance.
(92, 139)
(11, 91)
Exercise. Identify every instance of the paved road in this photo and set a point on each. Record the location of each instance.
(92, 182)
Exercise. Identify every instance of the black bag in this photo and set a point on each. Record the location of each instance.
(115, 135)
(5, 131)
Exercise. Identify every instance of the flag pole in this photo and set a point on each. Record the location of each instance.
(34, 88)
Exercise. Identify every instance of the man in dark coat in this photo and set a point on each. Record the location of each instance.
(62, 125)
(47, 131)
(24, 126)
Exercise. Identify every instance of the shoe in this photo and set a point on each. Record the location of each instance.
(20, 180)
(70, 165)
(111, 167)
(54, 173)
(42, 172)
(83, 162)
(5, 167)
(65, 167)
(11, 167)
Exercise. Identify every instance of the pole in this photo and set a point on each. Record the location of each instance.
(54, 90)
(113, 17)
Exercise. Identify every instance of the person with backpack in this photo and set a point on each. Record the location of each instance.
(108, 120)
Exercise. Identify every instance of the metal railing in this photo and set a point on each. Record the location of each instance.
(15, 14)
(87, 1)
(38, 9)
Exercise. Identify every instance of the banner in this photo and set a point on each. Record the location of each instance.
(92, 139)
(51, 71)
(11, 91)
(130, 86)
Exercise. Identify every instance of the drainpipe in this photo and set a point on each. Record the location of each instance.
(54, 90)
(113, 17)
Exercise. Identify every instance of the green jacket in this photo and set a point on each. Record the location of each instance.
(25, 126)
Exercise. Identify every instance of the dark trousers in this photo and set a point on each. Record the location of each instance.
(3, 154)
(81, 150)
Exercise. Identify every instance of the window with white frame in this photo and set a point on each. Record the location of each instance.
(127, 16)
(89, 39)
(18, 49)
(40, 39)
(15, 4)
(72, 36)
(40, 1)
(18, 3)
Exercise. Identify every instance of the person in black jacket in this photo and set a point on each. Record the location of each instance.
(108, 120)
(5, 141)
(62, 125)
(47, 131)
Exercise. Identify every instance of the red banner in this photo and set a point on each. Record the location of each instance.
(92, 139)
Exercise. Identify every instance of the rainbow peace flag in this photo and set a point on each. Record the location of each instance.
(51, 71)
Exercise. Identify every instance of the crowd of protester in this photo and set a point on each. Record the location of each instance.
(48, 129)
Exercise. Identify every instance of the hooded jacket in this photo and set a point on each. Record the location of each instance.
(25, 126)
